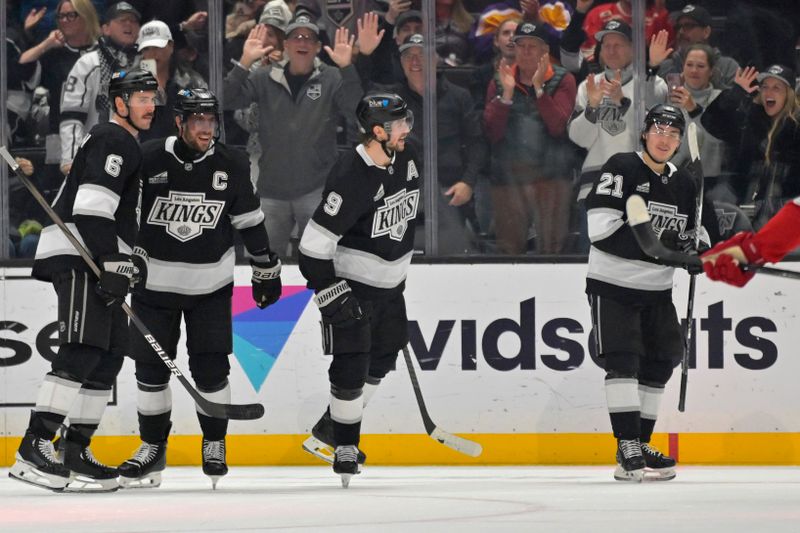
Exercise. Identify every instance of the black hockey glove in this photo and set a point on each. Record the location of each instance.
(674, 240)
(139, 279)
(116, 273)
(338, 306)
(266, 281)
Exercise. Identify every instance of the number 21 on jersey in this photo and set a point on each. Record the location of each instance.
(610, 185)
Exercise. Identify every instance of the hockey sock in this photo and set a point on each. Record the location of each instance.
(214, 428)
(154, 407)
(86, 413)
(347, 406)
(650, 399)
(56, 396)
(622, 398)
(370, 387)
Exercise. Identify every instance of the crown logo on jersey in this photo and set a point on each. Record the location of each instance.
(393, 216)
(185, 215)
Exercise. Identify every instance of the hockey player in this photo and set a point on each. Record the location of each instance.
(779, 236)
(196, 191)
(636, 328)
(98, 201)
(355, 254)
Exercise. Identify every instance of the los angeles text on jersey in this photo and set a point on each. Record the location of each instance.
(666, 216)
(185, 214)
(392, 217)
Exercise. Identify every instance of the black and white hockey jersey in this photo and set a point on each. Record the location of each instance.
(618, 268)
(98, 201)
(363, 231)
(190, 208)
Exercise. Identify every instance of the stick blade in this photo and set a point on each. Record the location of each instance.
(459, 444)
(636, 210)
(248, 411)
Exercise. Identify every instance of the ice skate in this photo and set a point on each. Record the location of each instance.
(321, 442)
(214, 465)
(36, 463)
(345, 463)
(143, 470)
(87, 474)
(630, 462)
(660, 467)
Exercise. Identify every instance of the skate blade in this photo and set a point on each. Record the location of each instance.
(319, 449)
(346, 480)
(214, 480)
(150, 481)
(659, 474)
(22, 471)
(81, 483)
(630, 476)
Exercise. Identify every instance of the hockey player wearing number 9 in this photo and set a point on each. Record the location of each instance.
(98, 201)
(196, 192)
(355, 254)
(636, 329)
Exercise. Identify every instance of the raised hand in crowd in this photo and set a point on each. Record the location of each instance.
(254, 47)
(395, 8)
(584, 5)
(368, 35)
(745, 77)
(594, 92)
(196, 22)
(506, 74)
(613, 88)
(461, 193)
(33, 18)
(342, 51)
(658, 48)
(541, 71)
(681, 96)
(54, 40)
(530, 9)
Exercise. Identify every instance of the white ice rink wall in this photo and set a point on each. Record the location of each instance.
(505, 359)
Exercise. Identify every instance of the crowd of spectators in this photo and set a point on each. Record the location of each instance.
(532, 98)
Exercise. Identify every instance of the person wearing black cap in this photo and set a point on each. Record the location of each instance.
(300, 99)
(693, 26)
(99, 202)
(762, 123)
(528, 106)
(603, 119)
(461, 147)
(84, 102)
(635, 325)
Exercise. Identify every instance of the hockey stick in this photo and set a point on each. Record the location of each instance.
(650, 245)
(212, 409)
(695, 169)
(459, 444)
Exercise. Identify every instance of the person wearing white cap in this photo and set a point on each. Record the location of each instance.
(156, 47)
(760, 117)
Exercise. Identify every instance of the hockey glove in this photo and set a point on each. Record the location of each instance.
(675, 240)
(338, 306)
(139, 279)
(116, 273)
(266, 281)
(723, 259)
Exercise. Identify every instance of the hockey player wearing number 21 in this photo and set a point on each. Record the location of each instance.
(98, 201)
(355, 254)
(196, 192)
(636, 327)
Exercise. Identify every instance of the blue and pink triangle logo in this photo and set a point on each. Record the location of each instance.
(260, 335)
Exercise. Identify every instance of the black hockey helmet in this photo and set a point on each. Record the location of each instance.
(666, 115)
(196, 100)
(381, 109)
(125, 82)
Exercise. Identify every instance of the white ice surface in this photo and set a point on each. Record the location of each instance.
(420, 499)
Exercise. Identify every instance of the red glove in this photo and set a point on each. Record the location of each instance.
(725, 267)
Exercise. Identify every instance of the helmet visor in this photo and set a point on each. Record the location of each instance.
(401, 125)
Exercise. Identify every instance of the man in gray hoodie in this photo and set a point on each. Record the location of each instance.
(299, 101)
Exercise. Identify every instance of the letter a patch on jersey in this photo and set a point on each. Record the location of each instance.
(411, 173)
(392, 217)
(185, 215)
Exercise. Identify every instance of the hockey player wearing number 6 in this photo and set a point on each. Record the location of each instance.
(196, 192)
(355, 254)
(98, 201)
(636, 327)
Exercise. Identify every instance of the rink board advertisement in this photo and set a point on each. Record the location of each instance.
(503, 357)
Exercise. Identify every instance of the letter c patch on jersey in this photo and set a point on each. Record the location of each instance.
(220, 180)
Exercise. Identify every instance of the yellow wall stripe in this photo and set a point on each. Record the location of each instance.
(498, 449)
